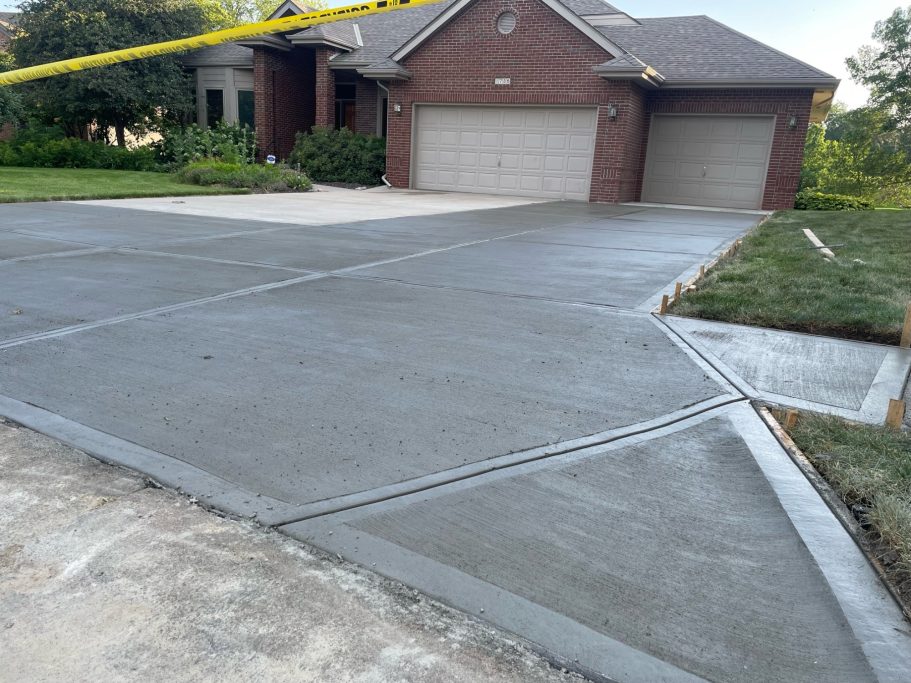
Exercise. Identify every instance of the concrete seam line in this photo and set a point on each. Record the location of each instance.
(739, 383)
(72, 329)
(490, 292)
(477, 470)
(56, 254)
(313, 275)
(209, 259)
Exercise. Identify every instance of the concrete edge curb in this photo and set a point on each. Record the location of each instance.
(832, 499)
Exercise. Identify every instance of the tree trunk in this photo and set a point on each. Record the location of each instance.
(120, 131)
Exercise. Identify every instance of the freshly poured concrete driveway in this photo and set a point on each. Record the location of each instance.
(464, 393)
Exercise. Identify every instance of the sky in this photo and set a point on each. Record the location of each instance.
(820, 33)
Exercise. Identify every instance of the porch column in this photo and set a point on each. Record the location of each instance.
(325, 88)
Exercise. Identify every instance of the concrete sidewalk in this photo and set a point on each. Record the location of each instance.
(105, 579)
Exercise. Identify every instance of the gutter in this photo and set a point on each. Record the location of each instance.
(383, 178)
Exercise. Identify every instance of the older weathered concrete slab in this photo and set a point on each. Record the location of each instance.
(339, 385)
(656, 558)
(320, 208)
(833, 375)
(50, 293)
(102, 578)
(600, 236)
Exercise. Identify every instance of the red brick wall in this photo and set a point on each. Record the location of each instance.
(786, 159)
(365, 116)
(549, 62)
(325, 88)
(284, 86)
(459, 63)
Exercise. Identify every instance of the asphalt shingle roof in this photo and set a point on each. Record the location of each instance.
(11, 18)
(226, 54)
(700, 48)
(695, 48)
(384, 33)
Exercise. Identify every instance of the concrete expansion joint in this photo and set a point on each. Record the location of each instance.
(637, 432)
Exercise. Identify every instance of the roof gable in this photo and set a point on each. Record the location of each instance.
(456, 8)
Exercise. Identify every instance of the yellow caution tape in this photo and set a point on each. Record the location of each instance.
(227, 35)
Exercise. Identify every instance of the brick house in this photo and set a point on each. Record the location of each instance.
(565, 99)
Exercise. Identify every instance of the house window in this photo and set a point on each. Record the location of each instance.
(215, 107)
(246, 108)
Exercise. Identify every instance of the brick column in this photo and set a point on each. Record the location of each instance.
(325, 89)
(283, 83)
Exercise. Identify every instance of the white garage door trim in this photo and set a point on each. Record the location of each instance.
(708, 160)
(531, 151)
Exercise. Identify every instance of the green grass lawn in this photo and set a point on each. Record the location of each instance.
(44, 184)
(870, 467)
(776, 280)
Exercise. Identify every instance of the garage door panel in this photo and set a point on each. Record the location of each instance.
(749, 174)
(752, 152)
(697, 127)
(708, 160)
(533, 141)
(449, 137)
(578, 165)
(756, 129)
(512, 150)
(490, 140)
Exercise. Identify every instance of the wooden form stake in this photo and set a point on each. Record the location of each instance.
(906, 330)
(790, 419)
(678, 290)
(702, 271)
(664, 303)
(896, 414)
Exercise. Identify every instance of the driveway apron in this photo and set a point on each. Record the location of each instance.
(469, 395)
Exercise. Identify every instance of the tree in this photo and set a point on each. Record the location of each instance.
(236, 12)
(886, 68)
(859, 153)
(10, 101)
(121, 96)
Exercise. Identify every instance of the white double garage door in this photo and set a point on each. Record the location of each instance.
(548, 151)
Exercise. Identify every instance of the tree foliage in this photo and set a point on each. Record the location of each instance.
(227, 13)
(11, 109)
(859, 152)
(122, 96)
(885, 68)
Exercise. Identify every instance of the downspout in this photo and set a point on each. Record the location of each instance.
(380, 85)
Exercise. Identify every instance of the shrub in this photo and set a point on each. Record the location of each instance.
(253, 176)
(340, 156)
(228, 142)
(48, 148)
(818, 201)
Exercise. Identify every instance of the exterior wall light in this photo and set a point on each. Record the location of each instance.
(613, 111)
(792, 122)
(397, 108)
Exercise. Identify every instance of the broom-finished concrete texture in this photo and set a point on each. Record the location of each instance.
(852, 379)
(104, 578)
(385, 353)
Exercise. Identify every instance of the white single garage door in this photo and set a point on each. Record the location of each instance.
(708, 160)
(528, 151)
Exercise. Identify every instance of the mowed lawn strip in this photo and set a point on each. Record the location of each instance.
(778, 280)
(58, 184)
(870, 468)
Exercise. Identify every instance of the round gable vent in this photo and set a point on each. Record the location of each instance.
(506, 23)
